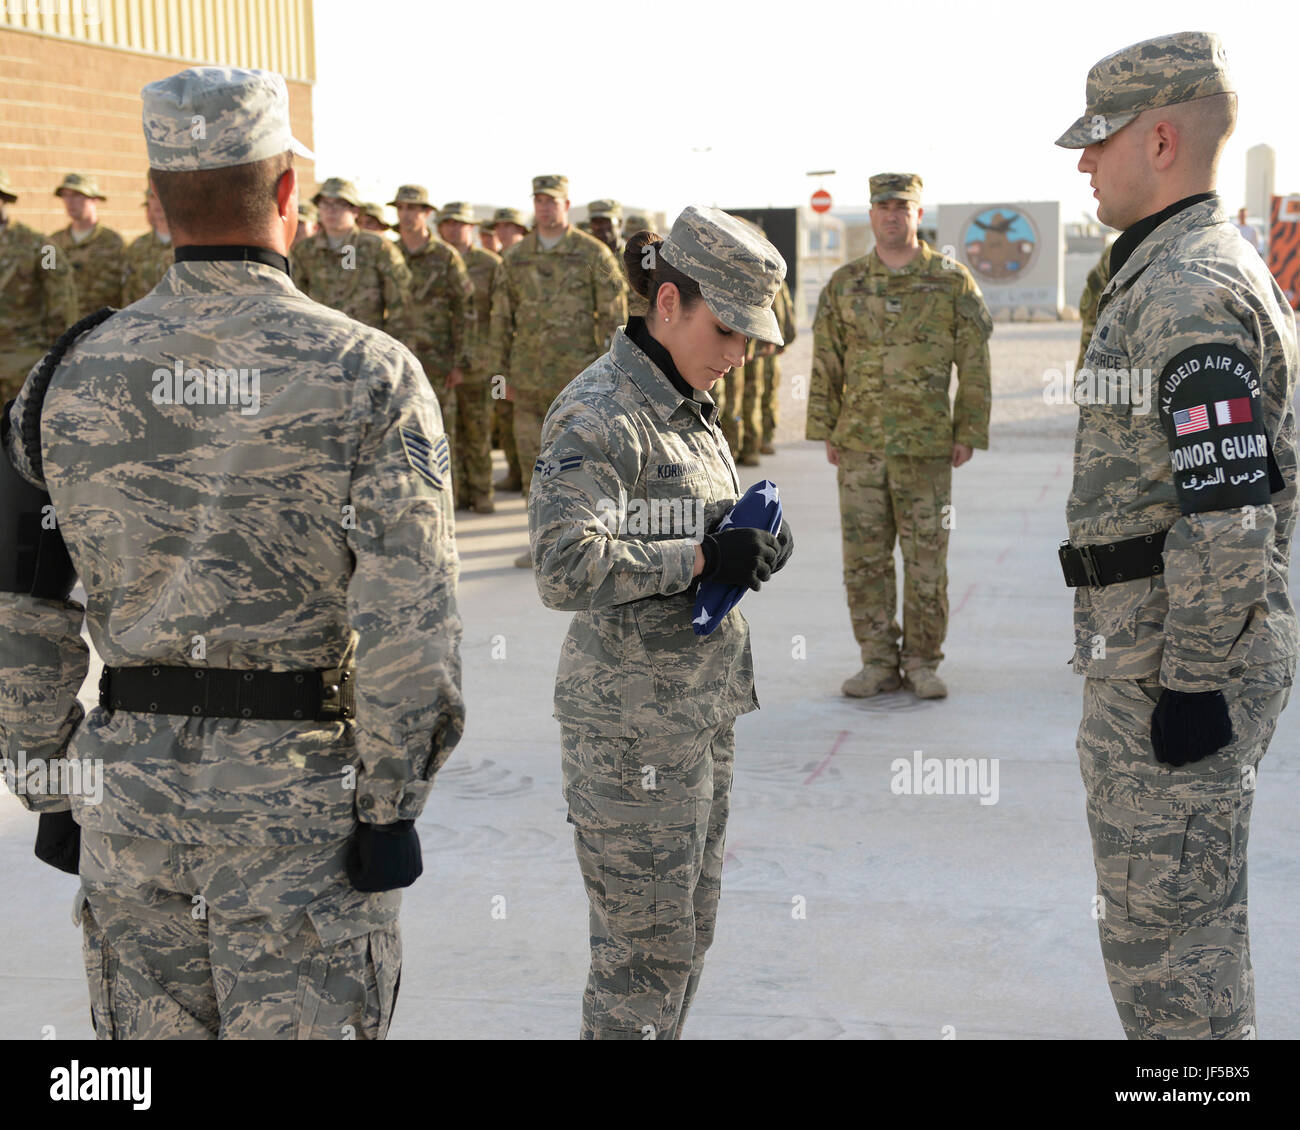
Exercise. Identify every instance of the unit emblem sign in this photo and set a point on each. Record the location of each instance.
(1000, 243)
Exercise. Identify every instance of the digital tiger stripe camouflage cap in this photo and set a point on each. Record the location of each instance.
(739, 272)
(216, 117)
(1144, 76)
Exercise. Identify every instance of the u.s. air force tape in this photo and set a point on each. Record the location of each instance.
(1212, 410)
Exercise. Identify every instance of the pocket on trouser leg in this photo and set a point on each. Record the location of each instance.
(639, 881)
(347, 992)
(1173, 933)
(101, 964)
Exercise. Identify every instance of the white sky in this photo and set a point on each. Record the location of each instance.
(619, 96)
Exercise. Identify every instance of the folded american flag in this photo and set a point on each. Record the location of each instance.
(759, 508)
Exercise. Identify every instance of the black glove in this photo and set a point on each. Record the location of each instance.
(383, 857)
(58, 841)
(739, 556)
(785, 546)
(1187, 726)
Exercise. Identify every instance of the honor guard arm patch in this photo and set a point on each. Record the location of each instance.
(1211, 407)
(430, 459)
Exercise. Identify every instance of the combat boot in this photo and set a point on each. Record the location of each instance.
(766, 448)
(509, 483)
(524, 560)
(748, 459)
(870, 681)
(924, 682)
(483, 505)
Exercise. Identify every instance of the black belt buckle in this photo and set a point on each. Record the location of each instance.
(1075, 559)
(337, 694)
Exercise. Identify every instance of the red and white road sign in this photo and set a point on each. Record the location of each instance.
(821, 201)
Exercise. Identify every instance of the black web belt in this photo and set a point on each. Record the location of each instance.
(1099, 565)
(213, 692)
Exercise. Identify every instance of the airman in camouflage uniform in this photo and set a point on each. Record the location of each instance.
(149, 256)
(1089, 300)
(884, 343)
(768, 370)
(97, 253)
(440, 302)
(371, 218)
(240, 874)
(472, 447)
(556, 313)
(355, 271)
(607, 226)
(647, 707)
(38, 299)
(509, 226)
(1184, 626)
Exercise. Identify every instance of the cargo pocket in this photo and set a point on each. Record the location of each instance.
(347, 992)
(101, 963)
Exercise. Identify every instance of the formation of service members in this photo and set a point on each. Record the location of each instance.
(1180, 522)
(38, 298)
(889, 329)
(280, 635)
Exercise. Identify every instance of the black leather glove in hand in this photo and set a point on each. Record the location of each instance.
(384, 857)
(785, 546)
(1187, 726)
(58, 841)
(739, 556)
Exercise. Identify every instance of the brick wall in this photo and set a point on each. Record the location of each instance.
(68, 106)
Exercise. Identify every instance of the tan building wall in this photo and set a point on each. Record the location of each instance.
(70, 102)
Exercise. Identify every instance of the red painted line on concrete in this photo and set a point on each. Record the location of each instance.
(966, 596)
(839, 739)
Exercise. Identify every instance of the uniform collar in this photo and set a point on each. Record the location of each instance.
(1129, 242)
(653, 383)
(225, 276)
(916, 266)
(1201, 211)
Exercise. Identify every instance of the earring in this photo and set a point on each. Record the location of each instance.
(665, 319)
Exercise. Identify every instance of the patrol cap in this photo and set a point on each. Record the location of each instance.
(411, 194)
(307, 211)
(457, 210)
(636, 222)
(1156, 72)
(895, 186)
(556, 186)
(609, 208)
(84, 183)
(344, 190)
(510, 216)
(375, 212)
(7, 187)
(739, 272)
(216, 117)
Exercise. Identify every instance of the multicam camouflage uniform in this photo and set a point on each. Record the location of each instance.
(646, 707)
(147, 260)
(551, 319)
(38, 301)
(439, 305)
(1089, 300)
(769, 370)
(98, 264)
(883, 349)
(473, 450)
(365, 278)
(1195, 309)
(306, 532)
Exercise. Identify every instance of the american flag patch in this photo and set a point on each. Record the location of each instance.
(1190, 420)
(1234, 411)
(432, 460)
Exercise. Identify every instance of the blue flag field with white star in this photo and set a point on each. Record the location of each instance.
(759, 508)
